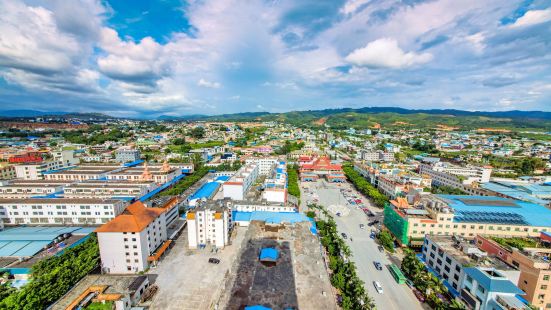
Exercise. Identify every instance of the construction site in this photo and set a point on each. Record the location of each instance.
(279, 266)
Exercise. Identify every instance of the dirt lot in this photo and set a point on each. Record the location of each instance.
(297, 281)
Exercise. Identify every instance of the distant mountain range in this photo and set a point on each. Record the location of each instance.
(357, 118)
(36, 113)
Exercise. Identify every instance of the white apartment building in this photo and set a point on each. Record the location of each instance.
(18, 189)
(59, 211)
(248, 206)
(238, 185)
(133, 240)
(447, 256)
(124, 155)
(275, 186)
(108, 189)
(372, 155)
(446, 174)
(208, 224)
(265, 164)
(61, 159)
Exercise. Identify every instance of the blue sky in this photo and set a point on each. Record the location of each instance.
(149, 58)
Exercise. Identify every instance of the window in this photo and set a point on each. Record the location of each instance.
(469, 279)
(546, 278)
(543, 287)
(128, 268)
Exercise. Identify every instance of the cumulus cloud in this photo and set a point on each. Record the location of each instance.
(131, 62)
(28, 32)
(385, 53)
(532, 17)
(208, 84)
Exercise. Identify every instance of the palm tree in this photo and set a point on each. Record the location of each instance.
(456, 305)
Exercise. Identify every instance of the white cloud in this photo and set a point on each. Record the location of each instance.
(131, 62)
(30, 40)
(532, 17)
(352, 6)
(386, 53)
(208, 84)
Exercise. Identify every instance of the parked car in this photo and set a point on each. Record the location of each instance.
(381, 248)
(344, 235)
(419, 295)
(362, 226)
(378, 265)
(378, 287)
(213, 260)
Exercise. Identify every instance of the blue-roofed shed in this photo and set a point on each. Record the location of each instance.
(268, 254)
(257, 307)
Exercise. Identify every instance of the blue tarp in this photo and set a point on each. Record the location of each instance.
(257, 307)
(133, 163)
(268, 254)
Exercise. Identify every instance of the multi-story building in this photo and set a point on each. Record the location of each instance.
(59, 211)
(489, 289)
(446, 174)
(373, 155)
(30, 188)
(209, 223)
(238, 185)
(465, 216)
(312, 168)
(275, 186)
(7, 172)
(124, 155)
(108, 189)
(448, 256)
(398, 185)
(132, 240)
(265, 164)
(534, 266)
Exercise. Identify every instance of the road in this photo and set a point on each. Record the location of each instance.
(365, 251)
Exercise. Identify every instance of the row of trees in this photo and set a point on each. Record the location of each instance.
(293, 188)
(53, 277)
(343, 272)
(387, 241)
(364, 187)
(186, 182)
(436, 294)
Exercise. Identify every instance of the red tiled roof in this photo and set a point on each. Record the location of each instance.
(134, 218)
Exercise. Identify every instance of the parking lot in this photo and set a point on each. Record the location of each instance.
(187, 280)
(364, 249)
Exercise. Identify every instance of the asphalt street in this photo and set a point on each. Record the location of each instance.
(365, 250)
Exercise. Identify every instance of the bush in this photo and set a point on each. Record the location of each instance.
(293, 188)
(387, 241)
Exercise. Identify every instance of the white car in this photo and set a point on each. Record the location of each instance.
(378, 287)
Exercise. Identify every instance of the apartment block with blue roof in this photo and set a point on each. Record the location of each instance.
(466, 216)
(489, 289)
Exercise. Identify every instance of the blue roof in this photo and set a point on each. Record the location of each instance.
(491, 209)
(493, 284)
(524, 192)
(223, 178)
(27, 241)
(133, 163)
(268, 253)
(205, 191)
(257, 307)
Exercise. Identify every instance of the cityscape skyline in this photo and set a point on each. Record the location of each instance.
(214, 57)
